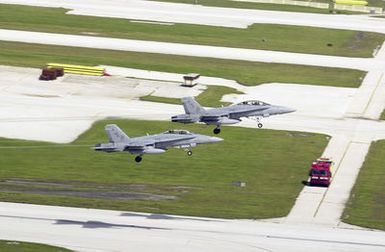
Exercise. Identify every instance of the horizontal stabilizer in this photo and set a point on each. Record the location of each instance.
(105, 147)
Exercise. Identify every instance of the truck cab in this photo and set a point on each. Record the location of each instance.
(320, 172)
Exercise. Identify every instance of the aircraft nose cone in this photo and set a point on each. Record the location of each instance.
(285, 110)
(215, 139)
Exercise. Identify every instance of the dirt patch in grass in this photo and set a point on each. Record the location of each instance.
(91, 190)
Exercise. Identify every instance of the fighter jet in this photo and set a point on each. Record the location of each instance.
(151, 144)
(227, 115)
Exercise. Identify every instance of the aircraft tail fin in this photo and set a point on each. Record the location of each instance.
(115, 134)
(191, 106)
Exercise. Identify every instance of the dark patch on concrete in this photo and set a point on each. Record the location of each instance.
(100, 224)
(166, 217)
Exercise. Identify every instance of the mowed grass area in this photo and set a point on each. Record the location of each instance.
(250, 5)
(16, 246)
(366, 206)
(244, 72)
(272, 163)
(374, 3)
(258, 36)
(208, 98)
(382, 116)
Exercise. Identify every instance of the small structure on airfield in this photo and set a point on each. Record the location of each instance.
(190, 79)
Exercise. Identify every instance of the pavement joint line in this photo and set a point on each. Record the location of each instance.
(335, 174)
(326, 241)
(361, 142)
(373, 93)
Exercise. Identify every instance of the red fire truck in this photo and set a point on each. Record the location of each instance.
(320, 172)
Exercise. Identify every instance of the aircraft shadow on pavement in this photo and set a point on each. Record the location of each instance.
(100, 224)
(163, 217)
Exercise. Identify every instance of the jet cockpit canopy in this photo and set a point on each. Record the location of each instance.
(253, 103)
(178, 132)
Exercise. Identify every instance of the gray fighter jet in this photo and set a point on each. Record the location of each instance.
(151, 144)
(227, 115)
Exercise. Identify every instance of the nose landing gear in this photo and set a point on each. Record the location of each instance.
(138, 159)
(258, 120)
(217, 130)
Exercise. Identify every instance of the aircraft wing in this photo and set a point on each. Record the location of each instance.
(212, 118)
(148, 148)
(218, 120)
(246, 110)
(173, 141)
(230, 114)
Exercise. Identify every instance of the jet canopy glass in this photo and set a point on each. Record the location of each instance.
(253, 103)
(178, 132)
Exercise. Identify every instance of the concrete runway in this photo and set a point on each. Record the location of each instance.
(364, 64)
(100, 230)
(197, 14)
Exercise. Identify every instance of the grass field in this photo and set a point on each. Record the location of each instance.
(209, 98)
(245, 72)
(249, 5)
(366, 206)
(263, 6)
(272, 163)
(374, 3)
(15, 246)
(382, 116)
(257, 36)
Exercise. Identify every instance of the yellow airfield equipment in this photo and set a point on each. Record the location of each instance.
(351, 2)
(78, 69)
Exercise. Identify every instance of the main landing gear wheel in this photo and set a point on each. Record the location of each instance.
(259, 125)
(138, 159)
(217, 130)
(189, 153)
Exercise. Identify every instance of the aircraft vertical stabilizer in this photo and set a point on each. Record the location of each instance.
(191, 106)
(115, 134)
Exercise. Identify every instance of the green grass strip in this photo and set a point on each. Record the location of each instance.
(382, 116)
(208, 98)
(258, 36)
(272, 163)
(16, 246)
(161, 99)
(244, 72)
(250, 5)
(366, 206)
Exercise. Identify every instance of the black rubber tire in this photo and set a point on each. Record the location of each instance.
(260, 125)
(189, 153)
(138, 159)
(217, 130)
